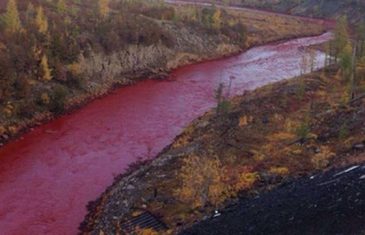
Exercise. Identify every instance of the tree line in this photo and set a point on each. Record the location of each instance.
(347, 50)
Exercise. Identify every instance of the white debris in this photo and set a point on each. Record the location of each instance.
(312, 177)
(347, 170)
(216, 213)
(362, 177)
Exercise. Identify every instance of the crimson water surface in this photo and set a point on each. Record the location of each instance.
(47, 178)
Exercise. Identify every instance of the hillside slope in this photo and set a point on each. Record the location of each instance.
(353, 9)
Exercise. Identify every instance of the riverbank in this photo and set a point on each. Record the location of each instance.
(262, 139)
(102, 73)
(71, 160)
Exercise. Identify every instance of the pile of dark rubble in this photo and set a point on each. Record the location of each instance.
(327, 203)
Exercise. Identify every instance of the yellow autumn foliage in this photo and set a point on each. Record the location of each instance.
(45, 70)
(13, 129)
(11, 18)
(322, 159)
(243, 181)
(8, 110)
(245, 120)
(75, 69)
(2, 130)
(290, 125)
(41, 21)
(45, 98)
(184, 138)
(146, 231)
(280, 136)
(217, 19)
(103, 6)
(279, 171)
(201, 181)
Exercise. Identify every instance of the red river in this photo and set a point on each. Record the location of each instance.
(48, 177)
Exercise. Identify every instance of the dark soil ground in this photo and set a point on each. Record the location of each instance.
(328, 203)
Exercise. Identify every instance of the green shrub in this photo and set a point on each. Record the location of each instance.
(58, 99)
(303, 130)
(343, 132)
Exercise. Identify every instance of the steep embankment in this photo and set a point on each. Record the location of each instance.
(155, 44)
(256, 142)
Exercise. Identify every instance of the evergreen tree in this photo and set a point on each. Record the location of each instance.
(217, 19)
(30, 13)
(103, 8)
(341, 35)
(61, 7)
(346, 61)
(45, 70)
(11, 18)
(41, 21)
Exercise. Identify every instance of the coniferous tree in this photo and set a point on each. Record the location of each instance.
(217, 19)
(341, 35)
(346, 61)
(61, 7)
(41, 21)
(30, 13)
(45, 70)
(11, 18)
(103, 8)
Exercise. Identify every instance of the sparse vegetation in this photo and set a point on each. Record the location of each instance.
(223, 103)
(201, 181)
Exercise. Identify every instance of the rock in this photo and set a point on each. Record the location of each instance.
(360, 146)
(130, 187)
(203, 124)
(265, 120)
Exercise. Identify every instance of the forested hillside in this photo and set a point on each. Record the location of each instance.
(57, 53)
(353, 9)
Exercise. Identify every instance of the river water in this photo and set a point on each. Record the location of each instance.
(47, 177)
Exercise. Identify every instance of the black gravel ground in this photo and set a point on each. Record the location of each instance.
(328, 203)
